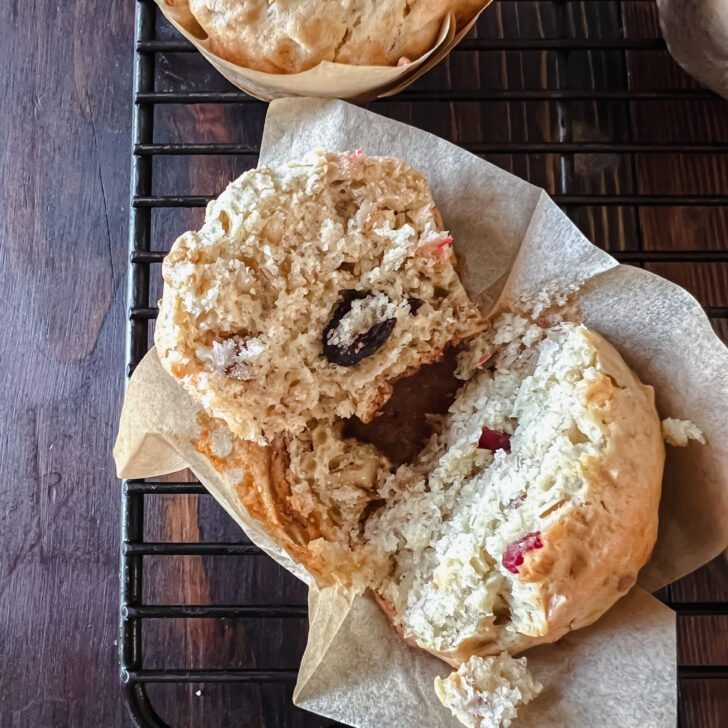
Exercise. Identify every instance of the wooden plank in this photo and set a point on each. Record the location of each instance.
(682, 174)
(684, 228)
(597, 121)
(702, 640)
(705, 703)
(708, 282)
(708, 584)
(720, 326)
(64, 152)
(640, 19)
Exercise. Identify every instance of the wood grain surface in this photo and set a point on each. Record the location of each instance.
(65, 85)
(64, 156)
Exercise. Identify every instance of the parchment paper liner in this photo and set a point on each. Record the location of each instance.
(326, 80)
(512, 241)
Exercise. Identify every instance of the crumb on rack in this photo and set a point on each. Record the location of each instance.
(485, 692)
(680, 432)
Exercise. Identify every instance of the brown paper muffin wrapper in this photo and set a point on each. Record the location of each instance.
(512, 242)
(326, 80)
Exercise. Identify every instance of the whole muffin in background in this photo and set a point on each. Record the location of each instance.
(290, 36)
(308, 291)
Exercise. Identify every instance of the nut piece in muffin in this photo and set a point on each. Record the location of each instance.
(308, 291)
(290, 36)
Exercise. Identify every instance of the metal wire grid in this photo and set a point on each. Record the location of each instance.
(134, 547)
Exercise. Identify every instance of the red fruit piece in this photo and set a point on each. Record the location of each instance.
(494, 440)
(482, 360)
(513, 557)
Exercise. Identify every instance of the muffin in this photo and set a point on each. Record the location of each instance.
(308, 291)
(527, 514)
(534, 509)
(290, 36)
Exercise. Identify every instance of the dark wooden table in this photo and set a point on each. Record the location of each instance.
(64, 156)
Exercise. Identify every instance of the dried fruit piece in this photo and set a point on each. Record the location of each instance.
(363, 345)
(494, 440)
(414, 305)
(436, 247)
(513, 556)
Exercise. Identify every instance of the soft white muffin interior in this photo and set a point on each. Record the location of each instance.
(514, 458)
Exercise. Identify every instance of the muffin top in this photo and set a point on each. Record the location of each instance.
(290, 36)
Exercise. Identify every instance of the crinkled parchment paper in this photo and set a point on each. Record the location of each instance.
(512, 242)
(327, 79)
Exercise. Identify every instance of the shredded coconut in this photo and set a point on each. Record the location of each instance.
(485, 692)
(400, 249)
(553, 295)
(231, 356)
(221, 443)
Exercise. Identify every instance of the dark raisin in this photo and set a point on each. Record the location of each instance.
(365, 344)
(414, 304)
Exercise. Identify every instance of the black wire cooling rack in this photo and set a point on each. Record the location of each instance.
(559, 92)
